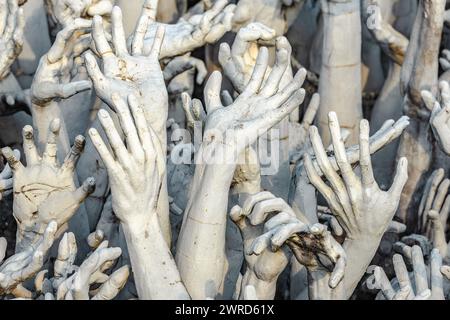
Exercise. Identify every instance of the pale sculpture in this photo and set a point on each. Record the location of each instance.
(183, 104)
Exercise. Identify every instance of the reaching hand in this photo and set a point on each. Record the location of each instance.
(52, 79)
(360, 206)
(229, 130)
(239, 61)
(402, 288)
(92, 271)
(26, 264)
(130, 73)
(187, 35)
(44, 190)
(440, 114)
(136, 173)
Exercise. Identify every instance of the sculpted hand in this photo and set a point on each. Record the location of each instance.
(415, 287)
(238, 62)
(26, 264)
(360, 206)
(11, 34)
(136, 170)
(53, 79)
(130, 73)
(440, 114)
(44, 190)
(91, 272)
(253, 113)
(187, 35)
(66, 11)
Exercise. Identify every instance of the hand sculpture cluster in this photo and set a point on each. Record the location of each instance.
(194, 128)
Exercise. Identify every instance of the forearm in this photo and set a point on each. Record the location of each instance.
(319, 287)
(155, 272)
(341, 66)
(426, 66)
(360, 252)
(265, 290)
(201, 244)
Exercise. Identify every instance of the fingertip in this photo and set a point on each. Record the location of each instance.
(55, 125)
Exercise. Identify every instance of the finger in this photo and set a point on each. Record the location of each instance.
(420, 270)
(74, 154)
(311, 111)
(148, 16)
(445, 210)
(48, 237)
(97, 76)
(95, 238)
(11, 20)
(70, 89)
(12, 159)
(58, 48)
(347, 173)
(258, 74)
(3, 15)
(226, 98)
(445, 64)
(187, 105)
(87, 188)
(279, 219)
(212, 92)
(288, 92)
(128, 128)
(322, 187)
(265, 207)
(118, 32)
(404, 250)
(383, 282)
(284, 232)
(424, 199)
(338, 272)
(262, 242)
(445, 94)
(251, 201)
(437, 178)
(51, 148)
(113, 285)
(157, 42)
(445, 270)
(3, 243)
(401, 272)
(365, 161)
(142, 127)
(401, 176)
(281, 63)
(101, 8)
(67, 251)
(396, 227)
(198, 110)
(429, 99)
(325, 165)
(440, 195)
(250, 33)
(101, 43)
(114, 139)
(437, 281)
(438, 234)
(29, 148)
(103, 151)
